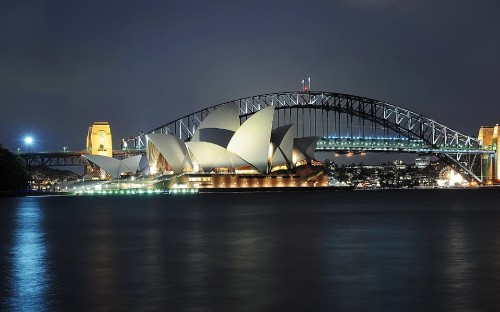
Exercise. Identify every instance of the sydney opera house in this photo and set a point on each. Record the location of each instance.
(223, 153)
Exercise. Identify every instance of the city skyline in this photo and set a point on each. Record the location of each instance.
(140, 65)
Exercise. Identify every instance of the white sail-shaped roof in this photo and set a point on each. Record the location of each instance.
(303, 148)
(172, 149)
(251, 141)
(130, 164)
(217, 136)
(282, 145)
(225, 117)
(209, 156)
(110, 165)
(115, 167)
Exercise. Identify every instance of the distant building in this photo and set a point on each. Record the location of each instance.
(399, 164)
(422, 162)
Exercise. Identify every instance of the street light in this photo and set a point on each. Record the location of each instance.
(28, 141)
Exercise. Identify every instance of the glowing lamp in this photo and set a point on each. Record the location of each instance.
(28, 140)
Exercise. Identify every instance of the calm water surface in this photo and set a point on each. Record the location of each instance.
(414, 250)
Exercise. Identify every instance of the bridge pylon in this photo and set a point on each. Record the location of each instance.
(99, 140)
(490, 163)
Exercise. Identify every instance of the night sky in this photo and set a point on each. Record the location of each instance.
(140, 64)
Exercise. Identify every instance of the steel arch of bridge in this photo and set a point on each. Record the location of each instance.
(328, 114)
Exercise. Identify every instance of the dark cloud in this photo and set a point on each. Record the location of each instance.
(64, 65)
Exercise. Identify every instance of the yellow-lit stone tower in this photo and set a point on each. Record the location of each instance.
(488, 137)
(99, 140)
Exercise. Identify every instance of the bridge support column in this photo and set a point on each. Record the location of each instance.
(496, 177)
(487, 168)
(490, 164)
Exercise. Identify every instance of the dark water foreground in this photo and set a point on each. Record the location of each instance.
(415, 250)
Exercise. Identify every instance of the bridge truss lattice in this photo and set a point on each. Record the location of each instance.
(336, 115)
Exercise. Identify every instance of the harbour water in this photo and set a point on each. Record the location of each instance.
(385, 250)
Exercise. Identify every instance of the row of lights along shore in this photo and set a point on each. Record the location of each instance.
(139, 192)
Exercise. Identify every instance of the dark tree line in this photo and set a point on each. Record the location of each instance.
(13, 172)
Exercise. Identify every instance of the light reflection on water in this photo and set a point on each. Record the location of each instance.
(354, 251)
(100, 271)
(458, 267)
(151, 266)
(249, 248)
(30, 280)
(367, 259)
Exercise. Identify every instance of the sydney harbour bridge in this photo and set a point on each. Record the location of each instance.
(345, 124)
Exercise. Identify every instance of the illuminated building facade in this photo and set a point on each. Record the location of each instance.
(422, 162)
(224, 153)
(490, 165)
(99, 141)
(220, 144)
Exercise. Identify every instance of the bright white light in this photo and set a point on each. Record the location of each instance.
(441, 182)
(153, 170)
(28, 140)
(455, 178)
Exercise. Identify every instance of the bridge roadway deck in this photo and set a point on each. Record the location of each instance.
(339, 145)
(393, 145)
(70, 158)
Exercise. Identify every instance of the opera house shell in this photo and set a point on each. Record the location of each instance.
(115, 167)
(222, 145)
